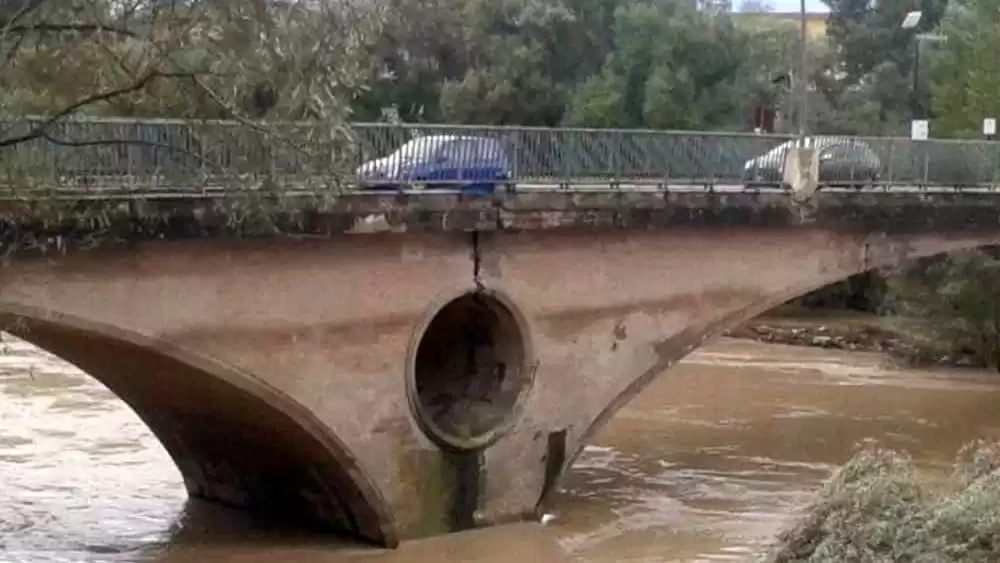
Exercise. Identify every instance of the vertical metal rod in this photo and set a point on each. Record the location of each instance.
(803, 73)
(917, 104)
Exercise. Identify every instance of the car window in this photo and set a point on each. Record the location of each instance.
(489, 149)
(478, 149)
(419, 149)
(450, 151)
(462, 151)
(845, 150)
(469, 151)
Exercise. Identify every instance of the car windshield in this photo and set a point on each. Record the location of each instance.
(419, 148)
(812, 142)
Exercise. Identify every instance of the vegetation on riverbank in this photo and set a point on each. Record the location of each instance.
(938, 310)
(860, 333)
(908, 341)
(878, 508)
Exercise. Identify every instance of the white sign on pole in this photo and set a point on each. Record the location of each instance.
(919, 130)
(990, 126)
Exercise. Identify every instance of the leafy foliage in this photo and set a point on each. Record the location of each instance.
(959, 297)
(200, 58)
(877, 508)
(964, 71)
(877, 55)
(246, 61)
(622, 63)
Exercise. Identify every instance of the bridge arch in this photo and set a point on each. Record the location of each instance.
(236, 440)
(881, 252)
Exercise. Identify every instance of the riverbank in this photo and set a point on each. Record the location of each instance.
(900, 339)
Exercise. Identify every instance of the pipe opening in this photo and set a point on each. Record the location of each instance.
(470, 371)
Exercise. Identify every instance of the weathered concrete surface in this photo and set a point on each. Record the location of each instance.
(135, 219)
(274, 369)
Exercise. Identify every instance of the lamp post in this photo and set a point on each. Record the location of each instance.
(911, 21)
(803, 75)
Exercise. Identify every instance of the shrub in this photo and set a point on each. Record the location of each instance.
(876, 509)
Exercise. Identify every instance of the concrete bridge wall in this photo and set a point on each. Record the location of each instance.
(300, 375)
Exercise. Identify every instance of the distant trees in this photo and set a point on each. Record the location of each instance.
(965, 77)
(624, 63)
(615, 63)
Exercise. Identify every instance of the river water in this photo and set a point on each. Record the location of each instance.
(705, 465)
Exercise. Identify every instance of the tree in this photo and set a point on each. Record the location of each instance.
(965, 75)
(421, 46)
(518, 71)
(489, 61)
(959, 297)
(672, 66)
(244, 60)
(756, 7)
(599, 102)
(876, 55)
(772, 58)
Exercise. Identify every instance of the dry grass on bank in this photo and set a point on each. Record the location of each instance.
(876, 509)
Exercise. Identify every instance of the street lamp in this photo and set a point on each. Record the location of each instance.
(803, 74)
(911, 21)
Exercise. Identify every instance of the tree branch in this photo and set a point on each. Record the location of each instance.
(69, 28)
(235, 115)
(135, 142)
(13, 52)
(40, 129)
(27, 7)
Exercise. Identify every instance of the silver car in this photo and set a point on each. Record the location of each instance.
(843, 161)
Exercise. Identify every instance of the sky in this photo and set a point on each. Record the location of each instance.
(793, 5)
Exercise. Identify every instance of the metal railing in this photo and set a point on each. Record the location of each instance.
(138, 154)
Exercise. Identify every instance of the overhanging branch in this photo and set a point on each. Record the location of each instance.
(70, 28)
(40, 129)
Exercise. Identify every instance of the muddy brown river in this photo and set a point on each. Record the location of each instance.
(705, 465)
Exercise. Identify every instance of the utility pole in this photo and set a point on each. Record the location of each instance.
(918, 113)
(803, 74)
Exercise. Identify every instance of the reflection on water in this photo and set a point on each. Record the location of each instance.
(704, 466)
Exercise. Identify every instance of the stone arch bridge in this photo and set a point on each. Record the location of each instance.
(396, 366)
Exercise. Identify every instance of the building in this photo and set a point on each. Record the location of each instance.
(716, 6)
(816, 22)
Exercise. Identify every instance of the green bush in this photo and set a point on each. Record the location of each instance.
(958, 296)
(876, 509)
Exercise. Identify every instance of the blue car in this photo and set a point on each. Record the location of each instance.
(466, 163)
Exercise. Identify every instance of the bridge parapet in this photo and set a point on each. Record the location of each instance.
(130, 155)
